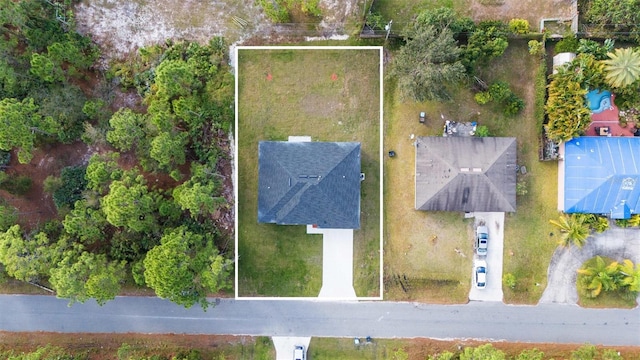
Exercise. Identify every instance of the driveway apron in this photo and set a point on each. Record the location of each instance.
(337, 263)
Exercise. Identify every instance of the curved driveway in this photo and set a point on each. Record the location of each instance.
(495, 321)
(616, 243)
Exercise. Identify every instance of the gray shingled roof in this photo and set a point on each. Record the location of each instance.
(466, 174)
(309, 183)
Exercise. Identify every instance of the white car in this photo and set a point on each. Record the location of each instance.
(299, 352)
(480, 274)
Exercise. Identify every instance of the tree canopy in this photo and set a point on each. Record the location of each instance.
(108, 217)
(79, 278)
(185, 267)
(19, 124)
(25, 259)
(130, 204)
(427, 64)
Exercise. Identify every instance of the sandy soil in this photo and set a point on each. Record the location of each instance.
(120, 26)
(36, 207)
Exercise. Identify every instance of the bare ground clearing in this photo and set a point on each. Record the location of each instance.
(121, 26)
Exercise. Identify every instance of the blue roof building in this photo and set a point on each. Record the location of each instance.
(602, 176)
(309, 183)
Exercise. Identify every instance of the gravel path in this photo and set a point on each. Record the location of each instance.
(616, 243)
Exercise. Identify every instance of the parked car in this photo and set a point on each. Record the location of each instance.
(482, 240)
(480, 274)
(299, 352)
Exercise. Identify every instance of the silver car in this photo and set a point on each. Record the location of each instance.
(482, 240)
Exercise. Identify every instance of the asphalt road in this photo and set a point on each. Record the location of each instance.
(496, 321)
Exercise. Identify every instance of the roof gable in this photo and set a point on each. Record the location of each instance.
(465, 174)
(602, 175)
(302, 183)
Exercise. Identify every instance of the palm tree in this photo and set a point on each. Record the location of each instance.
(594, 279)
(573, 230)
(631, 276)
(635, 220)
(622, 67)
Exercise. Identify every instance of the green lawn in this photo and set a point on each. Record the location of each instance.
(291, 92)
(529, 239)
(420, 247)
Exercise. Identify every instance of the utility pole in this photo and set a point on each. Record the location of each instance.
(388, 29)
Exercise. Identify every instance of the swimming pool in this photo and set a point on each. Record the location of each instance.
(599, 100)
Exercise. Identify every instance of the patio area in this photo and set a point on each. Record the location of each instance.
(606, 122)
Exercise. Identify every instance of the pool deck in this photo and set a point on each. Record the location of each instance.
(610, 118)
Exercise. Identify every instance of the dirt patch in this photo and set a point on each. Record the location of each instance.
(36, 206)
(531, 10)
(322, 106)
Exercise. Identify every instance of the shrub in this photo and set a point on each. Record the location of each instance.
(568, 44)
(499, 91)
(519, 26)
(310, 7)
(509, 280)
(374, 20)
(536, 48)
(8, 216)
(51, 184)
(483, 97)
(521, 187)
(5, 158)
(513, 105)
(93, 108)
(482, 131)
(73, 184)
(18, 185)
(274, 10)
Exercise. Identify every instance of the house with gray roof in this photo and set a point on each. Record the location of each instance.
(309, 183)
(465, 174)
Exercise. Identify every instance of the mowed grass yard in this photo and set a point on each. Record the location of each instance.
(330, 95)
(428, 255)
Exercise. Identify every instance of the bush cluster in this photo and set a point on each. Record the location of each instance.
(73, 184)
(501, 94)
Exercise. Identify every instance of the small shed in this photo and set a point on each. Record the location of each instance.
(561, 59)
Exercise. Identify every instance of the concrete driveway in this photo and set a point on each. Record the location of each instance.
(337, 263)
(493, 291)
(616, 243)
(285, 344)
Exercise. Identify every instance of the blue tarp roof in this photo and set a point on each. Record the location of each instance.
(602, 176)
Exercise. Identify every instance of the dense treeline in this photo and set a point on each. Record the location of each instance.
(113, 223)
